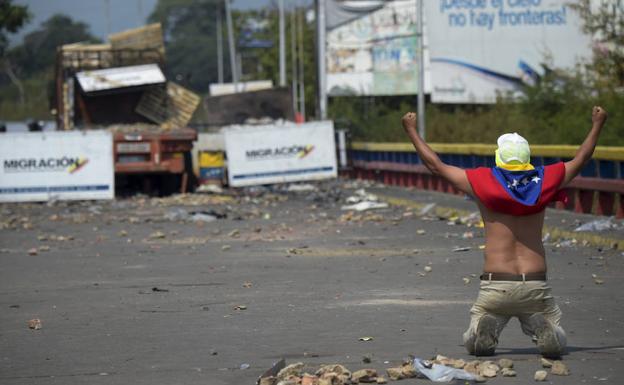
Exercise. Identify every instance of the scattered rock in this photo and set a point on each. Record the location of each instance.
(241, 307)
(408, 370)
(34, 324)
(366, 338)
(472, 367)
(466, 280)
(268, 380)
(226, 247)
(234, 233)
(364, 376)
(32, 251)
(505, 363)
(309, 379)
(428, 269)
(290, 370)
(157, 235)
(488, 369)
(459, 249)
(559, 369)
(540, 375)
(382, 380)
(508, 372)
(458, 364)
(395, 374)
(420, 232)
(546, 363)
(44, 248)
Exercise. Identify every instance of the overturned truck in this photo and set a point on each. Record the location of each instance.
(121, 86)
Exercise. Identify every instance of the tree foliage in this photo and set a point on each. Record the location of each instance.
(26, 83)
(38, 50)
(604, 22)
(190, 33)
(12, 18)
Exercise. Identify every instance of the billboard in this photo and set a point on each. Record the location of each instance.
(280, 153)
(481, 48)
(373, 52)
(39, 166)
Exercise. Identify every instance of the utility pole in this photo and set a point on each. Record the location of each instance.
(293, 59)
(233, 66)
(320, 41)
(219, 44)
(421, 68)
(282, 45)
(108, 19)
(300, 25)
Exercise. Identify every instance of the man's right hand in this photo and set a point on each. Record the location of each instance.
(409, 121)
(599, 115)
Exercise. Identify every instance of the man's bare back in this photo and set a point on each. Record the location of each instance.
(513, 244)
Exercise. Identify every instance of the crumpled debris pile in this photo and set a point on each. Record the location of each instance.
(362, 201)
(438, 369)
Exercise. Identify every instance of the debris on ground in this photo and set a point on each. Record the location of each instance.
(362, 201)
(540, 375)
(34, 324)
(508, 372)
(546, 363)
(597, 280)
(599, 225)
(559, 369)
(209, 189)
(363, 206)
(458, 249)
(441, 373)
(505, 363)
(32, 251)
(301, 187)
(366, 339)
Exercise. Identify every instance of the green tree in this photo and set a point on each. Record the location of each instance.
(604, 22)
(12, 18)
(189, 28)
(38, 50)
(29, 67)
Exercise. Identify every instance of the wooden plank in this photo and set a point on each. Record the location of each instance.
(171, 107)
(146, 37)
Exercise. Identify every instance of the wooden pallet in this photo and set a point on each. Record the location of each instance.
(172, 107)
(95, 56)
(148, 37)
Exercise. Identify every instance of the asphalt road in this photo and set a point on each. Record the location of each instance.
(128, 293)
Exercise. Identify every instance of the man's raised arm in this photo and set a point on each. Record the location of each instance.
(584, 153)
(455, 175)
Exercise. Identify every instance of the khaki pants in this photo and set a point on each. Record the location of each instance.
(506, 299)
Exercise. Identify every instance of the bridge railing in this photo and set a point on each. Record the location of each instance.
(599, 189)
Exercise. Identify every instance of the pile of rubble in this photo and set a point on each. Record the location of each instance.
(447, 369)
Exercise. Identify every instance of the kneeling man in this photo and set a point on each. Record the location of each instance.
(512, 198)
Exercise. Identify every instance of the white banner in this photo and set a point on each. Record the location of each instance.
(479, 48)
(375, 52)
(64, 165)
(280, 153)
